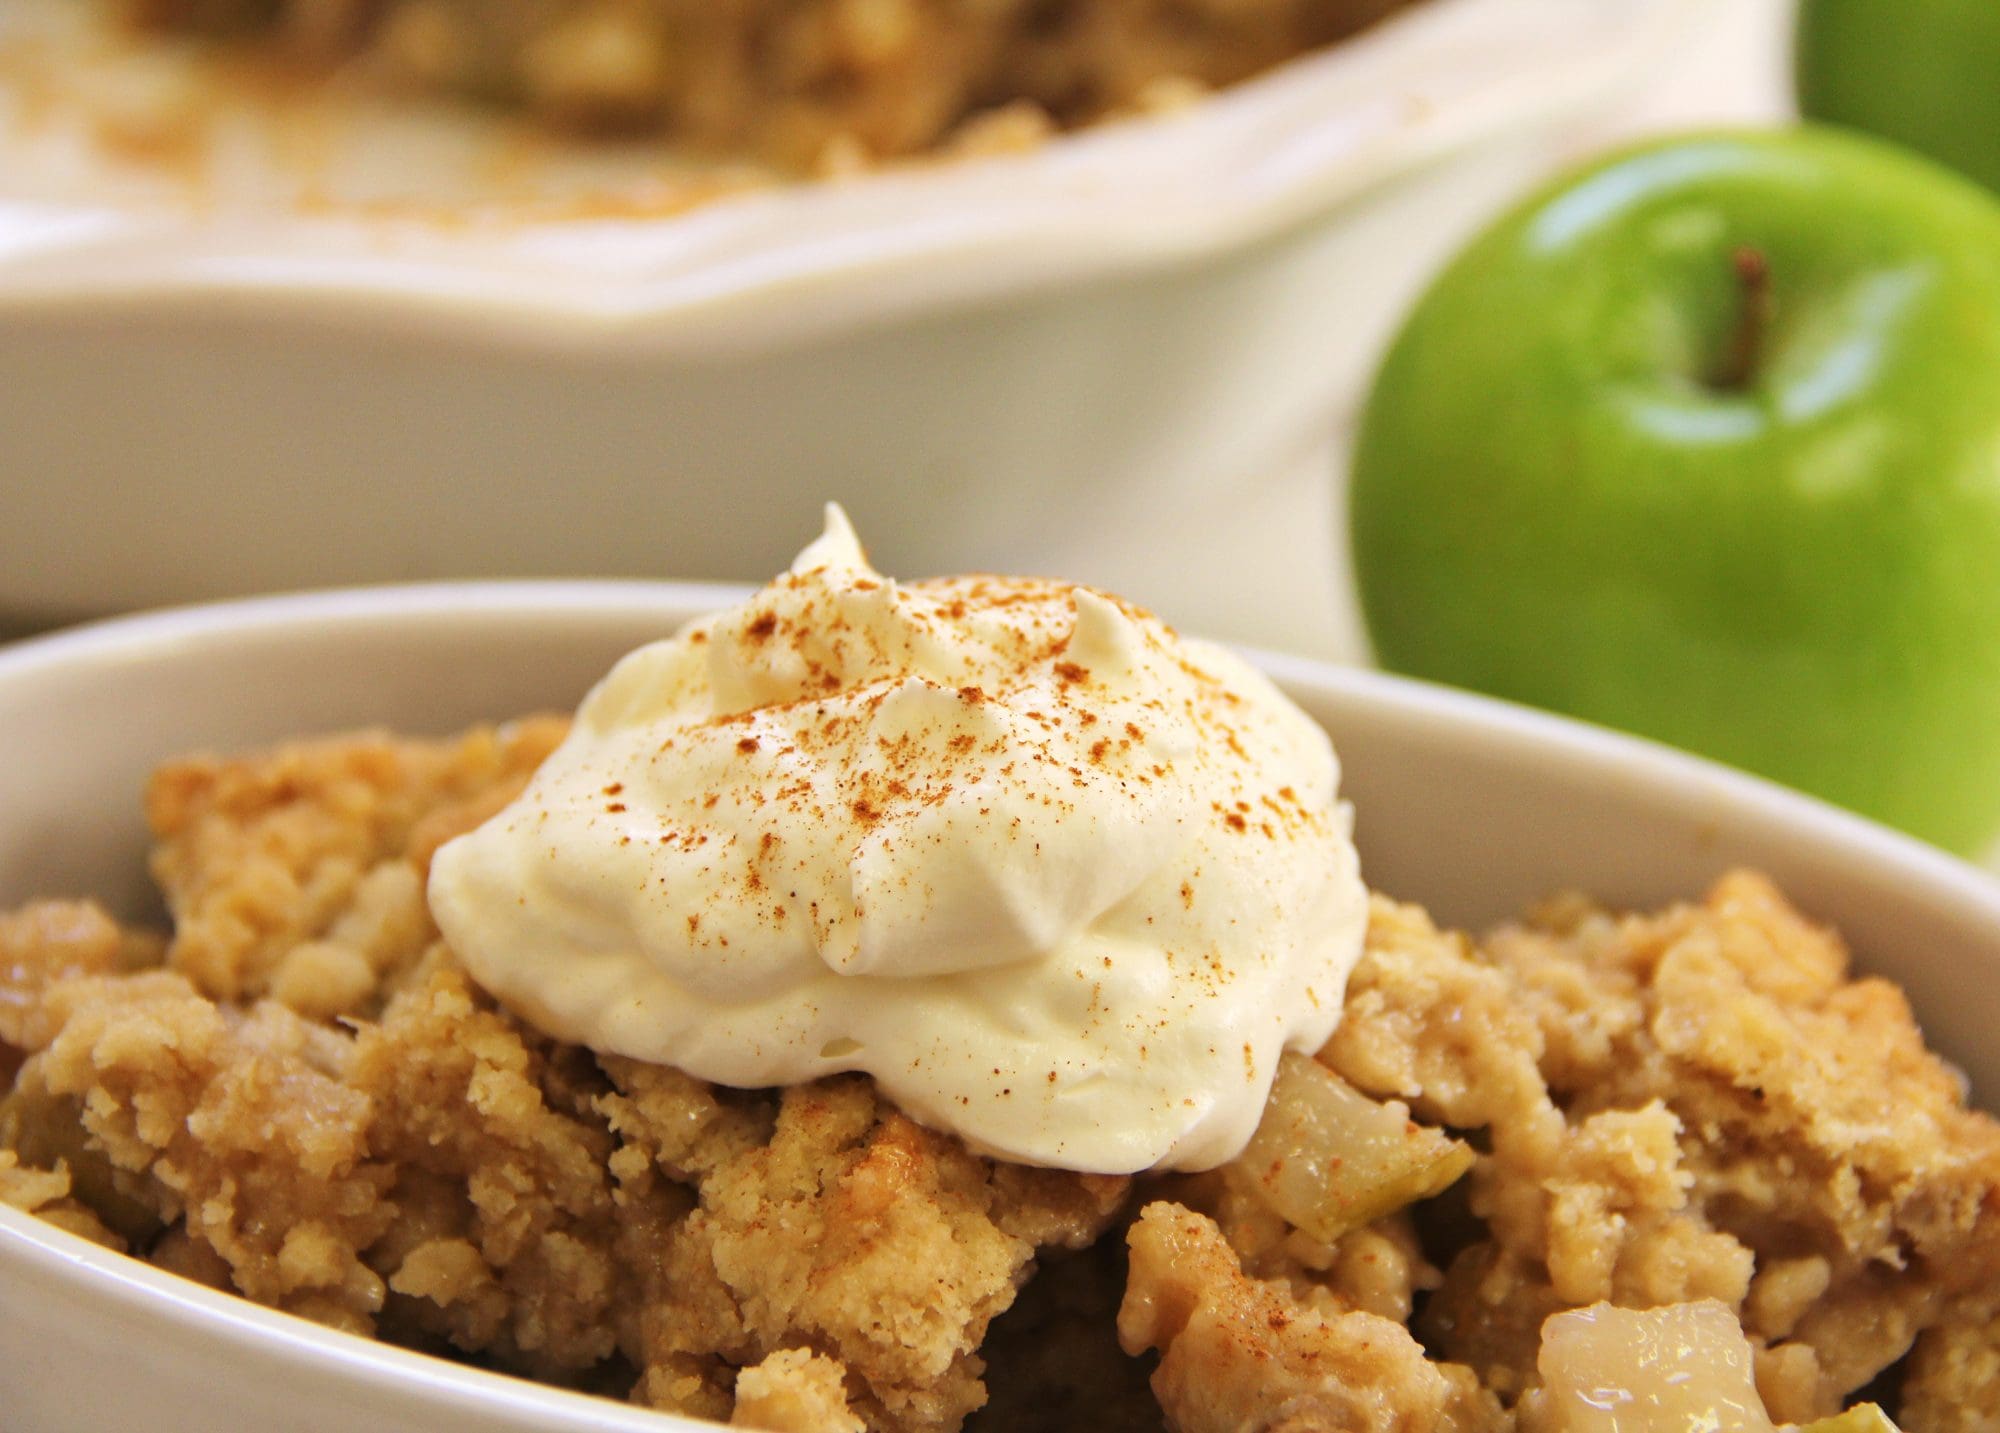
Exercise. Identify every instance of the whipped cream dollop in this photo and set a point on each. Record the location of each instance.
(1062, 882)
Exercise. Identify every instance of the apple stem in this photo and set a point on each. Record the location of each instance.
(1753, 319)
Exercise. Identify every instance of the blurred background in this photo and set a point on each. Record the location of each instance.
(224, 395)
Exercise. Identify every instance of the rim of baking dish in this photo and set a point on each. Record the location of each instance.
(1246, 164)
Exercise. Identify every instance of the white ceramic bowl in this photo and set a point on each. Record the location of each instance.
(1093, 360)
(1471, 806)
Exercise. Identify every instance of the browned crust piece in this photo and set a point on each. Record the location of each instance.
(1953, 1381)
(298, 872)
(1238, 1352)
(828, 1220)
(1693, 1104)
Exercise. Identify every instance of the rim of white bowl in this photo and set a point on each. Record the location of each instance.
(1245, 164)
(144, 634)
(114, 1279)
(1524, 729)
(1605, 752)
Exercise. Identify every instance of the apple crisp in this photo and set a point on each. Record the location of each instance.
(297, 1094)
(815, 86)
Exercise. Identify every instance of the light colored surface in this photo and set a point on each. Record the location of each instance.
(1468, 805)
(1118, 359)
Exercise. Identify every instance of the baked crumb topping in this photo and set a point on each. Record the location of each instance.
(1701, 1103)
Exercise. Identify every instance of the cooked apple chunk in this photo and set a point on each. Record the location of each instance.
(1672, 1369)
(1329, 1159)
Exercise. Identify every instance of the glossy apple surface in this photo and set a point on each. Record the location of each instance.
(1925, 73)
(1705, 444)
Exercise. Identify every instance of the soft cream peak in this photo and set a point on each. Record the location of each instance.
(1061, 881)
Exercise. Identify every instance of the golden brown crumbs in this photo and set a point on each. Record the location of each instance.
(795, 1391)
(302, 1097)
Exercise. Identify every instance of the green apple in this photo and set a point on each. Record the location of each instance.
(1924, 72)
(1705, 443)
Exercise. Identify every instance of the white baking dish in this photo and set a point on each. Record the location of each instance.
(1119, 358)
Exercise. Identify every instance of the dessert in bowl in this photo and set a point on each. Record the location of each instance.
(828, 85)
(1700, 1110)
(1148, 326)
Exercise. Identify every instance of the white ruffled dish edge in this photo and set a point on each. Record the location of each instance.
(1243, 165)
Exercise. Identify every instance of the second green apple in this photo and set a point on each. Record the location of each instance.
(1925, 73)
(1705, 444)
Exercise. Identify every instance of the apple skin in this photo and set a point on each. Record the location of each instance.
(1558, 497)
(1923, 72)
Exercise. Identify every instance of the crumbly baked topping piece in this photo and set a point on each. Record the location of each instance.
(794, 1391)
(1694, 1104)
(1238, 1352)
(504, 1240)
(1953, 1381)
(235, 1124)
(826, 1218)
(299, 872)
(49, 941)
